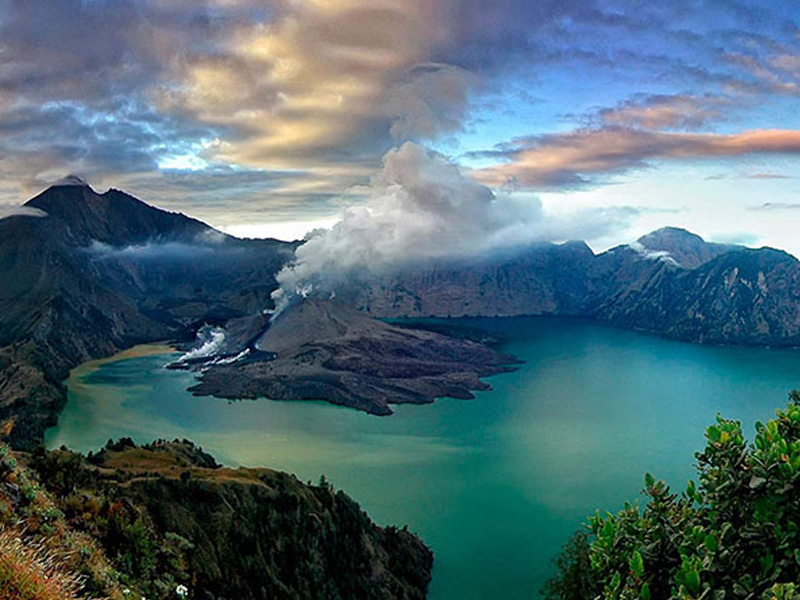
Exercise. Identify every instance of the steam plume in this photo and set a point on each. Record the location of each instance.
(420, 206)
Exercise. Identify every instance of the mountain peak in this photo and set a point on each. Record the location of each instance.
(114, 218)
(71, 181)
(687, 249)
(669, 235)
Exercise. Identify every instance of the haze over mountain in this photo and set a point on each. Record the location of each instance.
(94, 273)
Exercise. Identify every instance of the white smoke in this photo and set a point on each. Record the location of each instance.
(420, 206)
(649, 254)
(211, 340)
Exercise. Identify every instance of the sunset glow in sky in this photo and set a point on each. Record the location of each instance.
(269, 117)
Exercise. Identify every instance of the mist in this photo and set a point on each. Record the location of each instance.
(13, 210)
(420, 207)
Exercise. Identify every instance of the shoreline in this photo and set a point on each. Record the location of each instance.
(138, 351)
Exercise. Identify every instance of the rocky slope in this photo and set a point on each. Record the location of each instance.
(540, 280)
(743, 297)
(324, 350)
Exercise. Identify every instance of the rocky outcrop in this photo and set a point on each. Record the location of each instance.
(745, 297)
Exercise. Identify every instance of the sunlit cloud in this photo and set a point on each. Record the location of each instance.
(258, 111)
(580, 157)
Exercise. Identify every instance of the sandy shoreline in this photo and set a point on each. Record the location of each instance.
(134, 352)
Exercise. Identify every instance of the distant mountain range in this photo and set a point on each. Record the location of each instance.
(669, 282)
(94, 273)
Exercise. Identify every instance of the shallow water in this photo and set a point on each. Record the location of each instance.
(495, 485)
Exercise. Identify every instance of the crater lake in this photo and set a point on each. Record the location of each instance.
(494, 485)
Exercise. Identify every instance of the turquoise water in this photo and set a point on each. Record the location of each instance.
(495, 485)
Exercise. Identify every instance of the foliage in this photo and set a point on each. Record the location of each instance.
(735, 534)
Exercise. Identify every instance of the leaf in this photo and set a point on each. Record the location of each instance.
(756, 481)
(615, 581)
(649, 480)
(645, 592)
(713, 434)
(692, 581)
(711, 543)
(636, 563)
(767, 561)
(608, 529)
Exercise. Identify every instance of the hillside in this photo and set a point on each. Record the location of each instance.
(155, 518)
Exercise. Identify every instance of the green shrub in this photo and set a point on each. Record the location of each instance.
(735, 534)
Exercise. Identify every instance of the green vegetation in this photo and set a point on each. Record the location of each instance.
(41, 556)
(165, 521)
(169, 518)
(735, 534)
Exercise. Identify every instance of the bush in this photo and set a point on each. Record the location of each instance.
(734, 535)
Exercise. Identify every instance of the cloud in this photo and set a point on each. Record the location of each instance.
(766, 175)
(317, 91)
(422, 207)
(575, 158)
(13, 210)
(314, 84)
(678, 111)
(433, 100)
(776, 206)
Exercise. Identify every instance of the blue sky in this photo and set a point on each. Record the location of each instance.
(269, 117)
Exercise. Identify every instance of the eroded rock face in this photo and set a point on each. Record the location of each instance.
(327, 350)
(748, 297)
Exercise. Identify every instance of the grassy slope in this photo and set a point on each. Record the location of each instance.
(150, 519)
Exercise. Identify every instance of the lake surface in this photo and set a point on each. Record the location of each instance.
(494, 485)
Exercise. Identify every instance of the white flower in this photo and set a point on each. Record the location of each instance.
(126, 592)
(182, 591)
